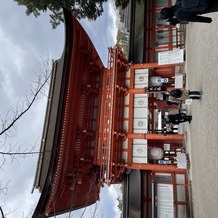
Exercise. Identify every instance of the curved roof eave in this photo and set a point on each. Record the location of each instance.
(45, 170)
(53, 121)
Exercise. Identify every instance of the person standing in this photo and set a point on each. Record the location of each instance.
(189, 11)
(179, 96)
(179, 118)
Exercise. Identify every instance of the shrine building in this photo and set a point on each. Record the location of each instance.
(104, 124)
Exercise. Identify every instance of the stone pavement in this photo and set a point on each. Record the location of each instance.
(202, 134)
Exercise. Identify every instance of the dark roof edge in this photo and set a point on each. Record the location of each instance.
(39, 211)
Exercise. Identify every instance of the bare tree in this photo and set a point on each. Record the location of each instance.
(8, 123)
(21, 108)
(2, 213)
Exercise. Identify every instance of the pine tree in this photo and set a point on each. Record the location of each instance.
(90, 9)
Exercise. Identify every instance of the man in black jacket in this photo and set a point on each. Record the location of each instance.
(190, 11)
(179, 118)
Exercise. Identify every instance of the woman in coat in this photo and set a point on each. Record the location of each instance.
(190, 11)
(178, 96)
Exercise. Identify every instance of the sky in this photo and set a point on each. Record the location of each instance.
(25, 42)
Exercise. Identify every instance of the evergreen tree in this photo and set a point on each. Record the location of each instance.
(122, 3)
(90, 9)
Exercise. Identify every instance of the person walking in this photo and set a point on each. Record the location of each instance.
(189, 11)
(179, 118)
(178, 96)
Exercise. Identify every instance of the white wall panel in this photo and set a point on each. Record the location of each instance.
(141, 71)
(126, 100)
(141, 102)
(140, 160)
(128, 73)
(140, 141)
(140, 150)
(125, 125)
(140, 124)
(127, 83)
(140, 113)
(125, 144)
(141, 78)
(126, 112)
(125, 155)
(141, 131)
(141, 95)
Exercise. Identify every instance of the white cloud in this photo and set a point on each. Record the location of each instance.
(11, 53)
(22, 203)
(103, 31)
(112, 28)
(115, 192)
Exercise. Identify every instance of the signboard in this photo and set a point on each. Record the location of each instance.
(165, 203)
(179, 81)
(162, 80)
(155, 88)
(171, 57)
(181, 160)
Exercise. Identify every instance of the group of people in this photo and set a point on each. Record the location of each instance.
(185, 11)
(178, 96)
(189, 11)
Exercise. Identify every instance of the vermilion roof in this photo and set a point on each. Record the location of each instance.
(66, 175)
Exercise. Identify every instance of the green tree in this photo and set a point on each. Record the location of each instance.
(90, 9)
(122, 3)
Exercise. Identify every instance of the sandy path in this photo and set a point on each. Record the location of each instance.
(202, 74)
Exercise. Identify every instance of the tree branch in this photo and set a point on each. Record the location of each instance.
(22, 153)
(2, 213)
(27, 108)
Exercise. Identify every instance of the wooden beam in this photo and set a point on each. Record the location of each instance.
(151, 65)
(159, 137)
(157, 167)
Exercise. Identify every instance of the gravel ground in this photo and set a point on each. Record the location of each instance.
(202, 133)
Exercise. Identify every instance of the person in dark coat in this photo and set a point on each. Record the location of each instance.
(189, 11)
(179, 118)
